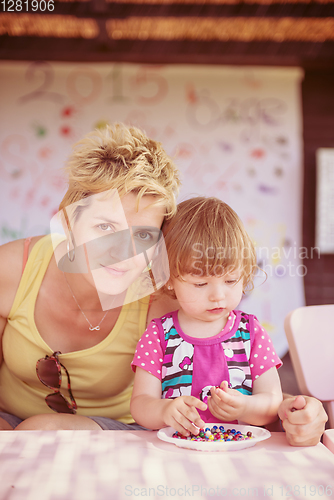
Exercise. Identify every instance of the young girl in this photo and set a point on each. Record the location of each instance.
(207, 361)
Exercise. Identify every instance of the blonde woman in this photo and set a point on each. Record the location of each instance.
(68, 314)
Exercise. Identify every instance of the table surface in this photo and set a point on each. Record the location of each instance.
(112, 465)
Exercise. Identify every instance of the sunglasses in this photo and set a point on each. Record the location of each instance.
(48, 371)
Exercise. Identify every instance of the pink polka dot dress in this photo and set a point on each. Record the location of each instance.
(186, 365)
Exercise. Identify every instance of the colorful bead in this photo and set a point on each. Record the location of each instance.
(215, 434)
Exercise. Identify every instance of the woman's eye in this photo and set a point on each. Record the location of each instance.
(105, 227)
(143, 235)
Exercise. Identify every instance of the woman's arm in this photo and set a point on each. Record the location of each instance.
(3, 322)
(11, 255)
(258, 409)
(153, 412)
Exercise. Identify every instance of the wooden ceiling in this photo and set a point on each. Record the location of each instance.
(265, 32)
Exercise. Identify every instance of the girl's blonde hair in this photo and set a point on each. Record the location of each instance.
(123, 158)
(206, 237)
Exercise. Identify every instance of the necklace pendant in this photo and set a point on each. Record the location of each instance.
(94, 328)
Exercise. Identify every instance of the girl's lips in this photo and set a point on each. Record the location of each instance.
(216, 310)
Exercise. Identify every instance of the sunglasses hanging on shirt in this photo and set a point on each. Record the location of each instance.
(48, 370)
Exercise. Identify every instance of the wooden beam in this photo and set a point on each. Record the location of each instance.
(307, 55)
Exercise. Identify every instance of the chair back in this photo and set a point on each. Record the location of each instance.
(310, 334)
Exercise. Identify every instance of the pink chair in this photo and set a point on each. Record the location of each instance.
(310, 334)
(328, 439)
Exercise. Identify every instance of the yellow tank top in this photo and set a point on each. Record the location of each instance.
(101, 376)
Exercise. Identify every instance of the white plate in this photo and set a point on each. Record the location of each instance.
(259, 434)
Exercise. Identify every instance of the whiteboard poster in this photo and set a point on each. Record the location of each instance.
(234, 132)
(324, 230)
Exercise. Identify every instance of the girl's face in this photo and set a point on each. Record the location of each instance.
(118, 239)
(209, 298)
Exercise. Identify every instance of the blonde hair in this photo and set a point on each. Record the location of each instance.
(206, 237)
(122, 158)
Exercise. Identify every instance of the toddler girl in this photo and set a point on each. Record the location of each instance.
(207, 361)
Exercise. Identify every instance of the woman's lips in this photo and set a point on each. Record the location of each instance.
(114, 271)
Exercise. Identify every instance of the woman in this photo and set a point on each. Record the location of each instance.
(62, 314)
(120, 182)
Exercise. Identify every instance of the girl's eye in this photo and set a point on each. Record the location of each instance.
(231, 282)
(105, 227)
(199, 285)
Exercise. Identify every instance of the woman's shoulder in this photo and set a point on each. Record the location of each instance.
(161, 306)
(11, 267)
(12, 253)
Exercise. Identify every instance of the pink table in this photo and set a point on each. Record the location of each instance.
(112, 465)
(329, 439)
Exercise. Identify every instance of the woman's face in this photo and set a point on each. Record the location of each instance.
(118, 238)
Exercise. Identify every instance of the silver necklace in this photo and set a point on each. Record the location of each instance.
(91, 327)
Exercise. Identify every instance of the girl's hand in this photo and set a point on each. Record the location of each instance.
(227, 404)
(181, 414)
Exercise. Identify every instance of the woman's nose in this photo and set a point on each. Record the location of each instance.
(121, 246)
